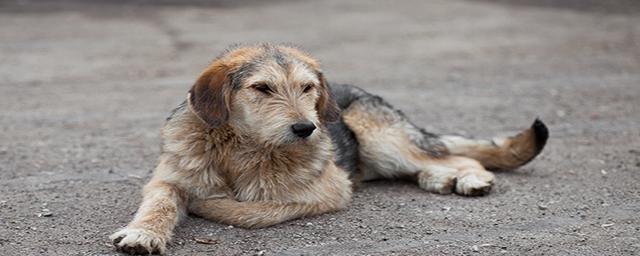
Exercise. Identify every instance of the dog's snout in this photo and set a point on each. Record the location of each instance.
(303, 129)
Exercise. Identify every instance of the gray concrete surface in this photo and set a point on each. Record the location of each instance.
(85, 87)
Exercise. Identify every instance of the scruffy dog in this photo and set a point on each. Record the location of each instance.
(263, 138)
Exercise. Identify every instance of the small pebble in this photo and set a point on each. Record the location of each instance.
(607, 225)
(542, 206)
(475, 248)
(45, 214)
(135, 176)
(206, 240)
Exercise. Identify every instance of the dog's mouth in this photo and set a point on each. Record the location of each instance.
(308, 140)
(300, 140)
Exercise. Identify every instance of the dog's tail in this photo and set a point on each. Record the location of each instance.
(501, 153)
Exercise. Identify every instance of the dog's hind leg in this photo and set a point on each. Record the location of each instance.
(390, 146)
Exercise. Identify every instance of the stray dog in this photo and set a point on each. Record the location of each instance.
(262, 138)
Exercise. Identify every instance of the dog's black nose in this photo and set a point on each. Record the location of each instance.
(303, 129)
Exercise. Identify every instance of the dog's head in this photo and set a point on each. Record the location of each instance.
(275, 94)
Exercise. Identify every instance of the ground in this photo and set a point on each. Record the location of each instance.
(85, 88)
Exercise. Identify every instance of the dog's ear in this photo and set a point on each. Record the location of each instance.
(209, 98)
(326, 106)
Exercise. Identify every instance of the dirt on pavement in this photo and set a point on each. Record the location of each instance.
(85, 87)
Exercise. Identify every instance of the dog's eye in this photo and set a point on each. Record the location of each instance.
(263, 88)
(307, 88)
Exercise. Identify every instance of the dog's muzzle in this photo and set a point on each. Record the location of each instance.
(303, 129)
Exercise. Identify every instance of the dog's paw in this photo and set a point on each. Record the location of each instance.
(138, 241)
(438, 179)
(474, 185)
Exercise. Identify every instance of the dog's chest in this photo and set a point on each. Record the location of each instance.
(275, 176)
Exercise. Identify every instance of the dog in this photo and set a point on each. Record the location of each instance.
(263, 138)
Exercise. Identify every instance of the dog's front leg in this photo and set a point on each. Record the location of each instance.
(153, 224)
(257, 214)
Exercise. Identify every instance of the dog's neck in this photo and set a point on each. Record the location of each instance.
(293, 165)
(244, 165)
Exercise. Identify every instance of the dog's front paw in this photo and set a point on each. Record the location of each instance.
(138, 241)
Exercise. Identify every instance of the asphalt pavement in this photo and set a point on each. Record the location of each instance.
(85, 87)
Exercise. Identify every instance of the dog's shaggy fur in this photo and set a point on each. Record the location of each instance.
(263, 138)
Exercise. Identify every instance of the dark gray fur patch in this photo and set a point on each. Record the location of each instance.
(430, 143)
(345, 95)
(242, 73)
(179, 108)
(346, 147)
(274, 54)
(280, 59)
(344, 140)
(247, 69)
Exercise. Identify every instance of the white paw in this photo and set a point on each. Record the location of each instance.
(138, 241)
(474, 185)
(438, 179)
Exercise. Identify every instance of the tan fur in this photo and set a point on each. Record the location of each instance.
(246, 170)
(499, 153)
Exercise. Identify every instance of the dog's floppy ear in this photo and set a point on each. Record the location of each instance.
(209, 98)
(326, 106)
